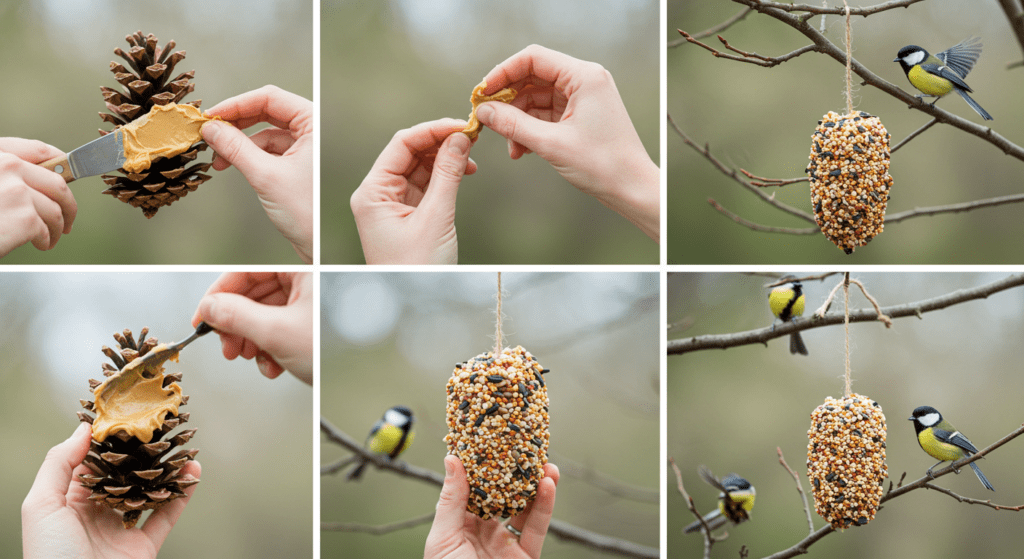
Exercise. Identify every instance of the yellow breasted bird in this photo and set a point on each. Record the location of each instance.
(391, 435)
(787, 302)
(942, 441)
(734, 502)
(944, 73)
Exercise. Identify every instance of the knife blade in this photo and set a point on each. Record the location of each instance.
(102, 155)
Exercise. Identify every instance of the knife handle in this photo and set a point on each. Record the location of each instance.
(60, 166)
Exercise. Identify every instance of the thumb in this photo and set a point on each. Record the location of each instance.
(231, 313)
(451, 506)
(54, 477)
(449, 168)
(515, 125)
(235, 147)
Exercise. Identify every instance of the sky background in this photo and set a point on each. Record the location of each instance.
(731, 409)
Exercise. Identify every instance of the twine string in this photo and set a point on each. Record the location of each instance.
(846, 323)
(849, 79)
(498, 341)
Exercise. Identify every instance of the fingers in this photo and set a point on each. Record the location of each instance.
(230, 313)
(50, 196)
(159, 524)
(400, 155)
(270, 104)
(537, 517)
(51, 485)
(516, 126)
(33, 151)
(449, 168)
(451, 505)
(234, 147)
(533, 61)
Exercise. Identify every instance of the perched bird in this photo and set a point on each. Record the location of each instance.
(942, 441)
(939, 75)
(786, 302)
(391, 435)
(734, 502)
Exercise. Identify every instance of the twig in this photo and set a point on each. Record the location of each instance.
(812, 10)
(799, 487)
(758, 227)
(1015, 15)
(562, 530)
(881, 316)
(914, 134)
(376, 530)
(605, 482)
(955, 208)
(926, 482)
(786, 279)
(338, 465)
(714, 30)
(772, 182)
(749, 57)
(709, 540)
(763, 335)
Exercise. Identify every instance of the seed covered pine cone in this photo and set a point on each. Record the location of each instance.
(133, 468)
(147, 82)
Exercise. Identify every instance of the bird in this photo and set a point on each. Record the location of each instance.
(942, 441)
(390, 436)
(939, 75)
(786, 302)
(734, 502)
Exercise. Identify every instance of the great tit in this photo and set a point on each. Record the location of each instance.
(786, 302)
(942, 441)
(936, 76)
(391, 435)
(734, 502)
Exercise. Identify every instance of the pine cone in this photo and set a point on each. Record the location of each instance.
(147, 82)
(135, 472)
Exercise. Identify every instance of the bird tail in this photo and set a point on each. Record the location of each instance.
(357, 472)
(974, 105)
(796, 344)
(981, 477)
(714, 520)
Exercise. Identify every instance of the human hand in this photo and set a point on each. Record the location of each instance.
(36, 205)
(58, 521)
(457, 533)
(266, 315)
(277, 162)
(569, 112)
(405, 207)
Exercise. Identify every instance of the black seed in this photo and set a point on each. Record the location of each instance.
(827, 154)
(480, 459)
(840, 498)
(830, 125)
(472, 377)
(514, 427)
(480, 492)
(464, 404)
(861, 129)
(842, 483)
(458, 365)
(817, 483)
(495, 378)
(536, 442)
(858, 433)
(540, 380)
(862, 520)
(545, 371)
(830, 477)
(479, 421)
(494, 407)
(864, 114)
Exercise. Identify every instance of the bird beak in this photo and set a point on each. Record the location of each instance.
(910, 419)
(895, 59)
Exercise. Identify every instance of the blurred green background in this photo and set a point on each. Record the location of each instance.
(389, 339)
(761, 119)
(730, 410)
(56, 54)
(255, 499)
(390, 65)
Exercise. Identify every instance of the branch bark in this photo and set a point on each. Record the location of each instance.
(763, 335)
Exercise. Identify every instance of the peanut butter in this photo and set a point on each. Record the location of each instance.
(506, 95)
(135, 401)
(166, 131)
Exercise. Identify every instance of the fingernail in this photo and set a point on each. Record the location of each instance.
(449, 469)
(458, 144)
(263, 365)
(208, 310)
(81, 427)
(210, 130)
(485, 113)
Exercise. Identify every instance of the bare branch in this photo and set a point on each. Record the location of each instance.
(337, 466)
(814, 10)
(714, 30)
(731, 173)
(607, 483)
(705, 530)
(763, 228)
(763, 335)
(914, 134)
(1015, 14)
(799, 488)
(561, 530)
(881, 316)
(955, 208)
(750, 57)
(926, 482)
(376, 530)
(772, 182)
(803, 279)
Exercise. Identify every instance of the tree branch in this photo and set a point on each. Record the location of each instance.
(758, 227)
(955, 208)
(799, 488)
(562, 530)
(714, 30)
(1015, 15)
(763, 335)
(750, 57)
(801, 546)
(705, 530)
(376, 530)
(607, 483)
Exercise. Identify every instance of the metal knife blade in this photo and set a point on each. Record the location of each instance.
(99, 156)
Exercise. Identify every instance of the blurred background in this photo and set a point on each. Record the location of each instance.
(56, 55)
(390, 65)
(251, 429)
(730, 409)
(390, 339)
(761, 120)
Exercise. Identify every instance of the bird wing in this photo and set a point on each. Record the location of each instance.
(962, 57)
(710, 479)
(957, 439)
(945, 72)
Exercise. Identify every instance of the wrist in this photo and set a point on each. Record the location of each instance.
(636, 195)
